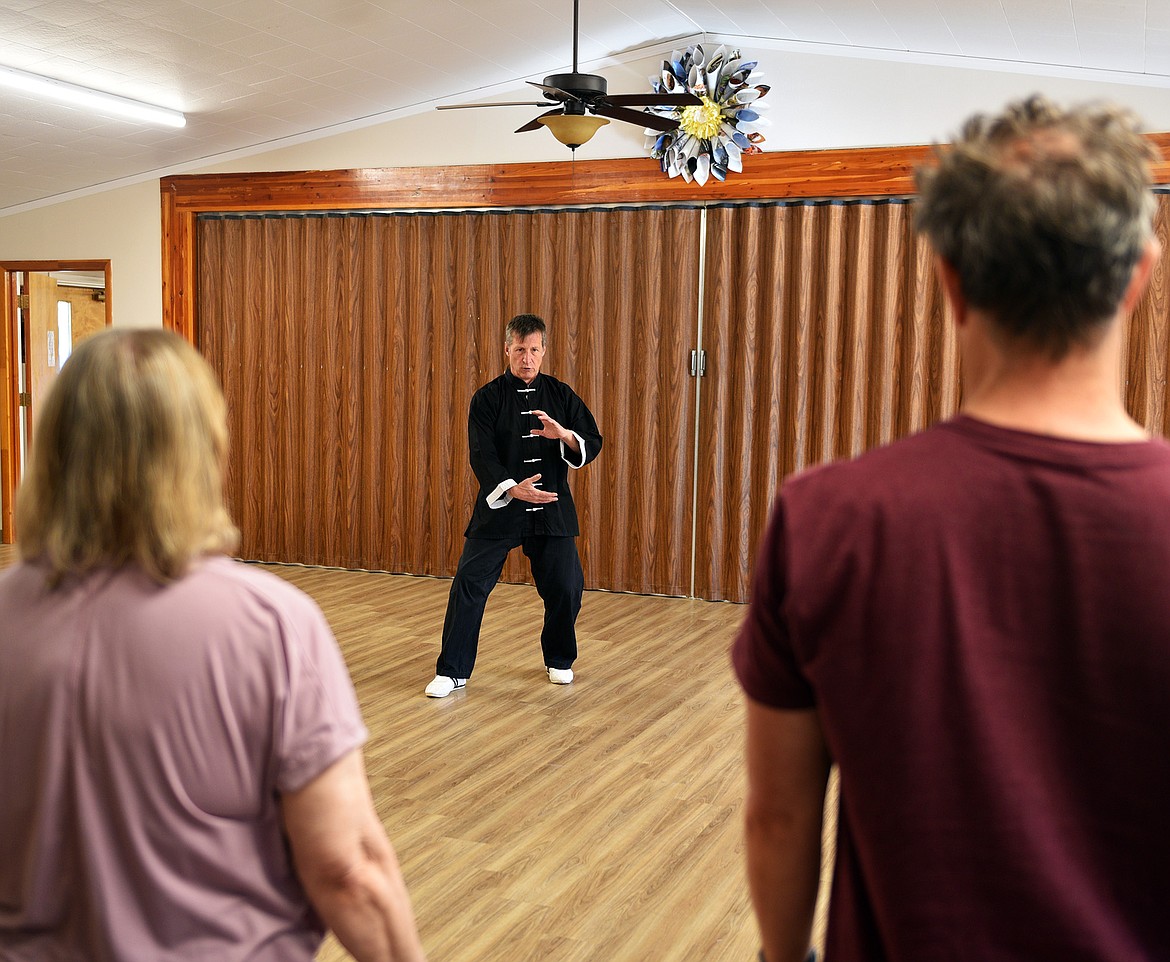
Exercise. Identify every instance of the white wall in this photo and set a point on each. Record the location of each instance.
(122, 226)
(818, 100)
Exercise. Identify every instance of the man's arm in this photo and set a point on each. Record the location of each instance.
(486, 463)
(348, 867)
(577, 435)
(788, 769)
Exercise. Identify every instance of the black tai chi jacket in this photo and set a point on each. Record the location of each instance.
(504, 452)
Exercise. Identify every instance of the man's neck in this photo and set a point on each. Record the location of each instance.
(1076, 397)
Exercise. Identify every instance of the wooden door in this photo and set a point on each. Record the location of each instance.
(17, 337)
(10, 409)
(42, 347)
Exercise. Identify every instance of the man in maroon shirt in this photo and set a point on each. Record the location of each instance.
(973, 624)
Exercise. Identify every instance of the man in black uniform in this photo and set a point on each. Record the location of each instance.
(531, 426)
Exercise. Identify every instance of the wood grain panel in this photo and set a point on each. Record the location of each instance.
(349, 347)
(825, 335)
(857, 172)
(1147, 354)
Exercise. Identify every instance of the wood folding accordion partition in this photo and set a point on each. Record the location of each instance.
(349, 343)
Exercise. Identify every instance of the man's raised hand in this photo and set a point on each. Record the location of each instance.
(553, 431)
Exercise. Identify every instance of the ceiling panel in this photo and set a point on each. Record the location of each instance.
(256, 71)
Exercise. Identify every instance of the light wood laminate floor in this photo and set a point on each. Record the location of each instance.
(597, 821)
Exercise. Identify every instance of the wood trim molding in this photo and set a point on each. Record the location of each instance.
(781, 175)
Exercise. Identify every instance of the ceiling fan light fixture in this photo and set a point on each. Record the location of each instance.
(574, 96)
(573, 130)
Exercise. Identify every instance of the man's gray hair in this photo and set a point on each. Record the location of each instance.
(524, 325)
(1043, 213)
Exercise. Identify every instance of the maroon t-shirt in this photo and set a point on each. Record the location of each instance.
(981, 618)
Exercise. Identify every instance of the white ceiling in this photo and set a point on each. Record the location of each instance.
(256, 72)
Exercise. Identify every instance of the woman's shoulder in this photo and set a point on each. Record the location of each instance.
(225, 578)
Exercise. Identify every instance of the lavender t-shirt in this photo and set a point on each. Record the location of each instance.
(146, 733)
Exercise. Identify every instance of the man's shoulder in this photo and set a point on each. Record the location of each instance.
(553, 382)
(906, 458)
(495, 384)
(492, 389)
(950, 456)
(558, 387)
(919, 469)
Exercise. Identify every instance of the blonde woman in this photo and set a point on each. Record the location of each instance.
(180, 745)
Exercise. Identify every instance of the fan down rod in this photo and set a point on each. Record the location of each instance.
(576, 10)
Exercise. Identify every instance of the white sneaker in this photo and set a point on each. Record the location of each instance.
(560, 676)
(443, 685)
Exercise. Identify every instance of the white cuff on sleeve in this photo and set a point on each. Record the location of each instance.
(580, 454)
(500, 497)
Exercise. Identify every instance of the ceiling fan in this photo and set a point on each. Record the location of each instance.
(577, 95)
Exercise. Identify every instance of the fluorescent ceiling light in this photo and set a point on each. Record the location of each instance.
(67, 93)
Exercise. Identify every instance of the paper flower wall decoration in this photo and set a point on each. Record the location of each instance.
(712, 137)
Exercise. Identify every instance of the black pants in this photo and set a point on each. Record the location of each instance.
(556, 569)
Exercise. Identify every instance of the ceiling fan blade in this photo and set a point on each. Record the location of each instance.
(654, 100)
(554, 92)
(498, 103)
(535, 123)
(653, 121)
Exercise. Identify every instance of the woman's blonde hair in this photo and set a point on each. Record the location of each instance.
(127, 460)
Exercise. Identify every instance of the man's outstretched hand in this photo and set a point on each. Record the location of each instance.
(527, 490)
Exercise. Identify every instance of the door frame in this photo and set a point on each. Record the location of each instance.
(9, 397)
